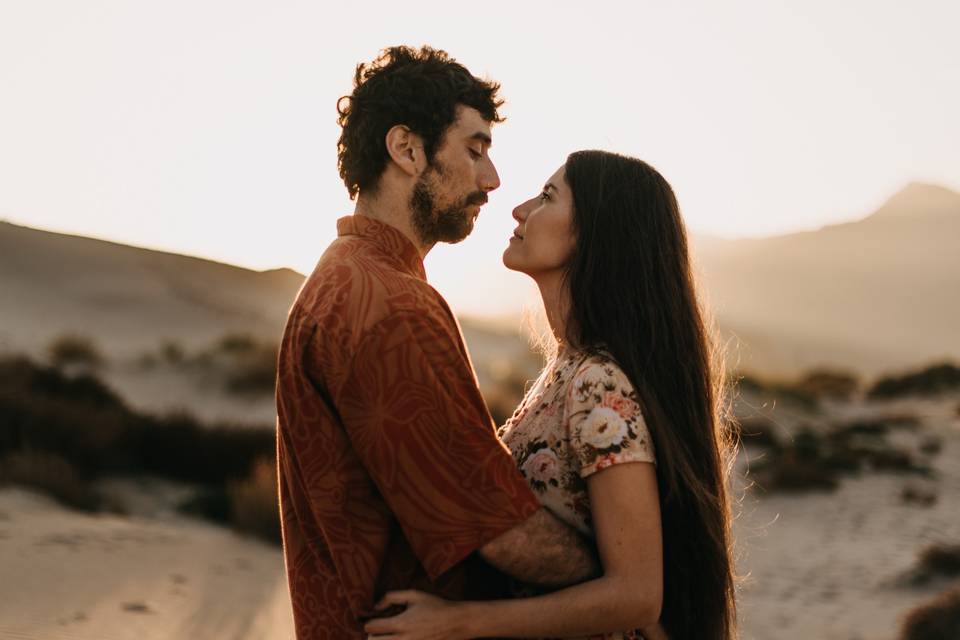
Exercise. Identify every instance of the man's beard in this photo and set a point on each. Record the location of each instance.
(448, 224)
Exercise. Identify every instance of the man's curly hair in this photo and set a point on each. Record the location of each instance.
(419, 88)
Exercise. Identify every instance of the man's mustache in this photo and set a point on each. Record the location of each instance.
(477, 197)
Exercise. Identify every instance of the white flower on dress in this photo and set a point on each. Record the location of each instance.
(542, 466)
(603, 428)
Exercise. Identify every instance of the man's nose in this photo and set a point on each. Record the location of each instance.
(490, 179)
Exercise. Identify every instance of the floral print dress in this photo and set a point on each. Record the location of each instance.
(581, 416)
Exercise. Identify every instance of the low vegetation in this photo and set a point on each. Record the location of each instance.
(815, 458)
(827, 383)
(932, 380)
(937, 619)
(60, 433)
(939, 560)
(74, 350)
(920, 496)
(785, 391)
(240, 363)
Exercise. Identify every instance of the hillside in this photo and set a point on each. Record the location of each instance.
(874, 294)
(127, 298)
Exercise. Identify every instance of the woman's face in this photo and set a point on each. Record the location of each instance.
(543, 240)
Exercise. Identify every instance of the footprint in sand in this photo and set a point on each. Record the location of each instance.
(136, 607)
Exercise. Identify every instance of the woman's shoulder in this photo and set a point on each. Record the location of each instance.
(599, 367)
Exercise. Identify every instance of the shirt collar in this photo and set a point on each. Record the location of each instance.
(389, 241)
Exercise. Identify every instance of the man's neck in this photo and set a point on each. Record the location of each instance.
(391, 209)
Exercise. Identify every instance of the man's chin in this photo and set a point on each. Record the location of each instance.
(453, 234)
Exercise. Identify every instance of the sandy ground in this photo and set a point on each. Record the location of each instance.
(831, 566)
(72, 576)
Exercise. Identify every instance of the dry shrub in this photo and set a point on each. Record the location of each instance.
(237, 343)
(798, 466)
(254, 372)
(254, 502)
(812, 460)
(761, 431)
(74, 350)
(82, 421)
(937, 619)
(925, 382)
(918, 496)
(931, 445)
(826, 383)
(172, 352)
(940, 560)
(51, 474)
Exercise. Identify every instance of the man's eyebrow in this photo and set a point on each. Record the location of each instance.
(482, 137)
(549, 186)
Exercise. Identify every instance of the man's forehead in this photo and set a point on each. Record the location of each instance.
(470, 123)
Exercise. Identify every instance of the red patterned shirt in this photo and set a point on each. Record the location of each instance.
(391, 474)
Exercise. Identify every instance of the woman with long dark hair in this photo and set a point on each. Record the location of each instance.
(634, 380)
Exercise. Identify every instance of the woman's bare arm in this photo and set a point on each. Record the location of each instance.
(626, 517)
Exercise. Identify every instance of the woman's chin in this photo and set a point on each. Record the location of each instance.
(510, 261)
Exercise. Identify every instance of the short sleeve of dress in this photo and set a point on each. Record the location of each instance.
(604, 422)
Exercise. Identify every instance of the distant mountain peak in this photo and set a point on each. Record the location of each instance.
(920, 199)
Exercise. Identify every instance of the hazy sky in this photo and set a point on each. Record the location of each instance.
(208, 127)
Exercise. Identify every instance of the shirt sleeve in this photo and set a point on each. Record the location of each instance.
(605, 425)
(416, 419)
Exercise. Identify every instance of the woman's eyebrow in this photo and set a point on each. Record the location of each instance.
(549, 186)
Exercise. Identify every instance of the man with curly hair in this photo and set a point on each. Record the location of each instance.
(391, 475)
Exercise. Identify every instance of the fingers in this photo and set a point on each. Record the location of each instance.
(397, 597)
(383, 626)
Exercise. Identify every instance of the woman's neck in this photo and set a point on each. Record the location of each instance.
(556, 304)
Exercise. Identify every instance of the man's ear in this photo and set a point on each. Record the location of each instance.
(406, 149)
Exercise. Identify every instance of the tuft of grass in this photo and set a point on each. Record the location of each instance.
(254, 502)
(74, 350)
(783, 390)
(254, 372)
(931, 445)
(936, 619)
(827, 383)
(760, 431)
(940, 560)
(237, 343)
(932, 380)
(797, 466)
(51, 474)
(172, 352)
(918, 496)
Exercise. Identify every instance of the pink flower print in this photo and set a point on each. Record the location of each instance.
(624, 406)
(605, 461)
(542, 466)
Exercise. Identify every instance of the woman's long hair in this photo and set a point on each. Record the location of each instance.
(632, 294)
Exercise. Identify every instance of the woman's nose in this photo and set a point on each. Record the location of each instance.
(521, 210)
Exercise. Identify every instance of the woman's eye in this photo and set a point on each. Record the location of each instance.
(476, 154)
(544, 196)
